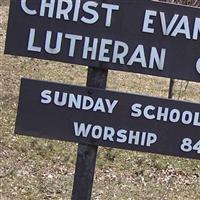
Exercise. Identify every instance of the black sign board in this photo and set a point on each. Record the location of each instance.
(98, 117)
(130, 35)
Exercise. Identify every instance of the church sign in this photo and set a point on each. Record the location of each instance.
(98, 117)
(142, 36)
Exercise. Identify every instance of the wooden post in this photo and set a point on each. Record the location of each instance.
(86, 155)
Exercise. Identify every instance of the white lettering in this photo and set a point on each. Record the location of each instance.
(120, 55)
(87, 9)
(182, 28)
(97, 132)
(151, 139)
(162, 113)
(148, 21)
(136, 108)
(45, 5)
(104, 50)
(99, 106)
(110, 105)
(158, 60)
(121, 136)
(65, 12)
(134, 137)
(196, 29)
(166, 30)
(109, 133)
(31, 40)
(76, 102)
(57, 48)
(146, 112)
(92, 49)
(73, 40)
(26, 9)
(186, 117)
(142, 143)
(174, 115)
(76, 10)
(87, 103)
(198, 66)
(110, 8)
(46, 98)
(196, 119)
(138, 56)
(57, 98)
(81, 129)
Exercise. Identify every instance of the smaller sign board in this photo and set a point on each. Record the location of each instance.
(98, 117)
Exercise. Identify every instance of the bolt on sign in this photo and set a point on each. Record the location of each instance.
(88, 116)
(134, 35)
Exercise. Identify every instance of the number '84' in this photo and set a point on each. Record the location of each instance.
(188, 146)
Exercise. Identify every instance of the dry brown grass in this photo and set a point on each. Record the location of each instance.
(36, 169)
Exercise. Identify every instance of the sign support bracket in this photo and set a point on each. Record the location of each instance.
(86, 155)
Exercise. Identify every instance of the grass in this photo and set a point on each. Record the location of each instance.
(35, 169)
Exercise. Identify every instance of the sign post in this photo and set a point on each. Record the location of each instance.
(86, 155)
